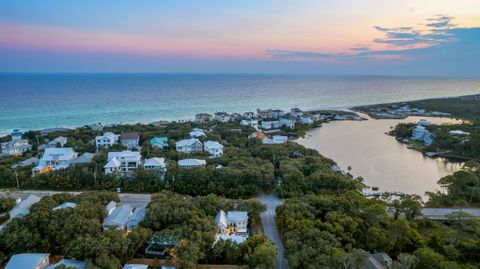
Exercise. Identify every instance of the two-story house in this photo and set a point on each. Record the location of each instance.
(106, 140)
(191, 145)
(122, 162)
(54, 159)
(213, 148)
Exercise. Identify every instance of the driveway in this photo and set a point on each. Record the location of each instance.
(270, 227)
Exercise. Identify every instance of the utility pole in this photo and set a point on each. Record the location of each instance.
(16, 177)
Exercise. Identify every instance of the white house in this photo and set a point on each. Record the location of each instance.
(54, 159)
(203, 117)
(307, 119)
(135, 219)
(196, 133)
(422, 134)
(191, 163)
(268, 125)
(191, 145)
(15, 147)
(214, 148)
(232, 226)
(29, 261)
(155, 163)
(296, 112)
(118, 218)
(106, 140)
(223, 117)
(251, 123)
(249, 115)
(57, 141)
(123, 162)
(23, 208)
(276, 139)
(288, 122)
(130, 140)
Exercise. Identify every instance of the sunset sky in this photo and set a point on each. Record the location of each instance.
(408, 37)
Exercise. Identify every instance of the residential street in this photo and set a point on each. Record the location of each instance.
(270, 228)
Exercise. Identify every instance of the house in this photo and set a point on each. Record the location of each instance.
(232, 226)
(248, 115)
(135, 219)
(196, 133)
(276, 139)
(118, 218)
(85, 158)
(27, 162)
(191, 163)
(135, 266)
(130, 140)
(223, 117)
(110, 207)
(47, 131)
(15, 147)
(29, 261)
(296, 112)
(156, 163)
(442, 214)
(159, 142)
(213, 148)
(422, 134)
(55, 159)
(251, 123)
(106, 140)
(423, 122)
(307, 119)
(259, 135)
(123, 162)
(270, 124)
(65, 206)
(23, 208)
(203, 117)
(57, 142)
(69, 263)
(96, 127)
(288, 122)
(270, 113)
(191, 145)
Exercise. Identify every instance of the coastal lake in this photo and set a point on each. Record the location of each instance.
(380, 159)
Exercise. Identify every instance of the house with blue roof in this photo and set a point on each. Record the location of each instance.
(118, 218)
(69, 263)
(29, 261)
(159, 142)
(137, 216)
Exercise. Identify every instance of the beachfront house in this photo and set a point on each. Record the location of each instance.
(130, 140)
(270, 124)
(270, 113)
(420, 133)
(29, 261)
(203, 117)
(23, 208)
(122, 162)
(288, 122)
(96, 127)
(249, 115)
(191, 145)
(307, 119)
(423, 122)
(232, 226)
(197, 132)
(213, 148)
(276, 139)
(191, 163)
(223, 117)
(118, 218)
(55, 159)
(17, 146)
(57, 142)
(106, 140)
(296, 112)
(159, 142)
(251, 123)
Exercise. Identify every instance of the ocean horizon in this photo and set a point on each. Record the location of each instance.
(36, 101)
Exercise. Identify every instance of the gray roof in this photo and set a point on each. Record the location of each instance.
(69, 263)
(23, 208)
(119, 216)
(84, 158)
(237, 216)
(26, 260)
(137, 216)
(129, 136)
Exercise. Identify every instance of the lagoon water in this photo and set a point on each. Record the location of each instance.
(34, 101)
(379, 158)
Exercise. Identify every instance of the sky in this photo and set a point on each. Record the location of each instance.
(379, 37)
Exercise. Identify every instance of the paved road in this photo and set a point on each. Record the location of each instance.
(270, 227)
(133, 199)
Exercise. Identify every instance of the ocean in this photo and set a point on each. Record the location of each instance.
(35, 101)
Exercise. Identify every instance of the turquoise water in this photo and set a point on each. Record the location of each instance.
(34, 101)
